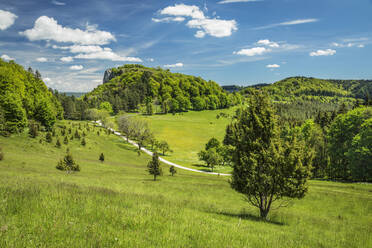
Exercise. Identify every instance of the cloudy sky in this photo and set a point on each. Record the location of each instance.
(229, 41)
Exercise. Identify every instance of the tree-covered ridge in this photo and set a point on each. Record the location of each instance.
(24, 96)
(130, 86)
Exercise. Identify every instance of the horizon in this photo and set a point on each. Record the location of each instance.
(232, 42)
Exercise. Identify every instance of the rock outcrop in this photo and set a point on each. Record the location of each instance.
(108, 75)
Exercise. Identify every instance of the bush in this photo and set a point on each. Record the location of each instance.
(77, 135)
(48, 137)
(68, 164)
(33, 129)
(58, 144)
(102, 157)
(172, 170)
(65, 141)
(1, 154)
(83, 143)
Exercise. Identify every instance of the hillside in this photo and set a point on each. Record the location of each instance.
(117, 204)
(129, 86)
(24, 96)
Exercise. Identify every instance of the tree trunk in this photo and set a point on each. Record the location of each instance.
(263, 213)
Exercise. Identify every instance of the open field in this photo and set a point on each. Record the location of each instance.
(116, 204)
(187, 134)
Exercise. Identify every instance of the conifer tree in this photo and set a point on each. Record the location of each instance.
(58, 144)
(1, 154)
(65, 141)
(153, 166)
(83, 142)
(48, 137)
(172, 170)
(77, 135)
(102, 157)
(266, 168)
(68, 163)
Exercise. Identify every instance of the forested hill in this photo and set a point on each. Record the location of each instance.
(131, 86)
(24, 97)
(317, 89)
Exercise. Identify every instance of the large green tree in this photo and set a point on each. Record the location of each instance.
(266, 168)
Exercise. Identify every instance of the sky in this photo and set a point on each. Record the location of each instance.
(240, 42)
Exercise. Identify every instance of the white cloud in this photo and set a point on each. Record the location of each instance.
(174, 65)
(327, 52)
(273, 66)
(107, 54)
(350, 44)
(58, 3)
(76, 67)
(41, 59)
(289, 23)
(67, 59)
(183, 10)
(7, 19)
(150, 59)
(253, 51)
(47, 80)
(46, 28)
(169, 19)
(80, 49)
(237, 1)
(212, 26)
(268, 43)
(6, 57)
(361, 46)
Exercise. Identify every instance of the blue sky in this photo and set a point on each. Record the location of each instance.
(228, 41)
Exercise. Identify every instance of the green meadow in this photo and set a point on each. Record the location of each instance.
(117, 204)
(187, 133)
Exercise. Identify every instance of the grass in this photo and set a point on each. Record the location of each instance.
(187, 134)
(116, 204)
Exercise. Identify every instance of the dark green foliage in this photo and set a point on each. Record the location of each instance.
(68, 164)
(83, 142)
(134, 85)
(213, 143)
(84, 134)
(77, 134)
(58, 143)
(153, 167)
(101, 157)
(24, 96)
(1, 154)
(172, 170)
(65, 140)
(48, 137)
(98, 133)
(33, 129)
(211, 157)
(266, 167)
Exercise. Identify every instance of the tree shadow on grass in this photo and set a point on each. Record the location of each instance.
(248, 216)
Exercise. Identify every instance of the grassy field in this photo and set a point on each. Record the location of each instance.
(187, 134)
(117, 204)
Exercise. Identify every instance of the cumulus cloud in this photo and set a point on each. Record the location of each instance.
(174, 65)
(47, 80)
(7, 19)
(41, 59)
(46, 28)
(76, 67)
(106, 54)
(253, 51)
(206, 26)
(67, 59)
(237, 1)
(183, 10)
(268, 43)
(327, 52)
(6, 57)
(272, 66)
(169, 19)
(289, 23)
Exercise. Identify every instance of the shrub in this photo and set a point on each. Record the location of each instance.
(65, 141)
(33, 130)
(1, 154)
(83, 142)
(68, 164)
(77, 135)
(102, 157)
(48, 137)
(58, 144)
(172, 170)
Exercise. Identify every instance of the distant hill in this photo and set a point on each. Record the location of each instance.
(75, 94)
(24, 96)
(129, 86)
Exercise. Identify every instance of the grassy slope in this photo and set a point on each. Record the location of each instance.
(116, 204)
(187, 134)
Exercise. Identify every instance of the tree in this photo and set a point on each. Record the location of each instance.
(127, 126)
(265, 167)
(106, 106)
(58, 143)
(211, 157)
(172, 170)
(48, 137)
(33, 129)
(213, 143)
(77, 134)
(153, 166)
(1, 154)
(141, 133)
(68, 164)
(101, 157)
(164, 147)
(83, 142)
(65, 140)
